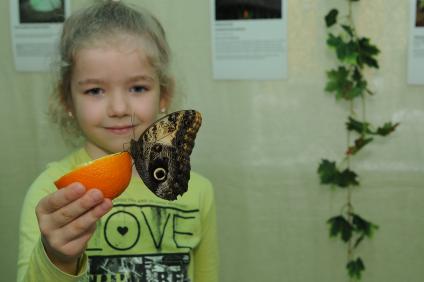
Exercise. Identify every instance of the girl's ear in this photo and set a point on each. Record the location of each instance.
(68, 107)
(166, 95)
(65, 97)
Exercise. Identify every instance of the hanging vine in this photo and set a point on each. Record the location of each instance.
(347, 81)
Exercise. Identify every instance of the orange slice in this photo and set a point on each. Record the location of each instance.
(110, 174)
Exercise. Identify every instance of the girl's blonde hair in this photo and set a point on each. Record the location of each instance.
(100, 22)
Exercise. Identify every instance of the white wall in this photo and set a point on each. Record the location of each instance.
(260, 144)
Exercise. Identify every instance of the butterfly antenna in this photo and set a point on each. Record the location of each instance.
(134, 138)
(132, 125)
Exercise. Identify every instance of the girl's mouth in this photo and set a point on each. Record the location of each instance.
(121, 129)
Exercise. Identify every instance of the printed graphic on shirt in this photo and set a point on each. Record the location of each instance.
(144, 242)
(146, 228)
(145, 268)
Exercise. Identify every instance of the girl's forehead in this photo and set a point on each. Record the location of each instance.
(125, 43)
(125, 46)
(113, 61)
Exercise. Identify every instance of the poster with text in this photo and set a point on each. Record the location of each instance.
(35, 29)
(249, 39)
(416, 43)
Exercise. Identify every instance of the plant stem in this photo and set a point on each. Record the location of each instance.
(364, 114)
(350, 13)
(349, 195)
(350, 250)
(354, 53)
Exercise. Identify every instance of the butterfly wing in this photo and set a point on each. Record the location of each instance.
(162, 153)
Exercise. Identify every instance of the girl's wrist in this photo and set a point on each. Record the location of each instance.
(68, 265)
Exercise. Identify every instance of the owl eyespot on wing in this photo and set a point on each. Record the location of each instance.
(162, 153)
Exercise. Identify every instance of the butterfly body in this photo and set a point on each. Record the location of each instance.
(162, 153)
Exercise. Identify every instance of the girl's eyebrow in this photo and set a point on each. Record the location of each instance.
(141, 77)
(132, 79)
(90, 81)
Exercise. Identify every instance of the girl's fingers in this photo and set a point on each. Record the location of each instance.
(60, 198)
(63, 251)
(77, 208)
(86, 223)
(70, 241)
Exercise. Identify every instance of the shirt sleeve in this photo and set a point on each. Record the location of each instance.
(206, 253)
(40, 268)
(33, 262)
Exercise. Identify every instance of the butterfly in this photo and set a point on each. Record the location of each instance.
(162, 153)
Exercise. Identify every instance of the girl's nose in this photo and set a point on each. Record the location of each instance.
(118, 104)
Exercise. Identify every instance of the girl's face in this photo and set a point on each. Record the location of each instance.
(115, 94)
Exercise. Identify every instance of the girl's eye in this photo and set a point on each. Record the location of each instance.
(138, 89)
(94, 91)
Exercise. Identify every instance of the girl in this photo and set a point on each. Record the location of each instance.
(114, 81)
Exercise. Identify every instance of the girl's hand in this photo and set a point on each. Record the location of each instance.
(67, 219)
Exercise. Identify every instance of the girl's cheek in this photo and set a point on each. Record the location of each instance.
(88, 113)
(148, 107)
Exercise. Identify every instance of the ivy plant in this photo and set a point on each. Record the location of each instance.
(348, 82)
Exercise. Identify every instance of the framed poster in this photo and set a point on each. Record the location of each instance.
(35, 29)
(416, 44)
(249, 39)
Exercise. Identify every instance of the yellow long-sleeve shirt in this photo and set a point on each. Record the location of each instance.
(143, 238)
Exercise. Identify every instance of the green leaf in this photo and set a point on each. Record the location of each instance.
(348, 29)
(355, 268)
(347, 178)
(338, 82)
(339, 226)
(367, 53)
(334, 41)
(328, 172)
(337, 79)
(367, 48)
(386, 129)
(359, 144)
(357, 90)
(357, 126)
(347, 52)
(331, 17)
(365, 128)
(357, 75)
(362, 226)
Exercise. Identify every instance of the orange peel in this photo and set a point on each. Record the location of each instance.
(110, 174)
